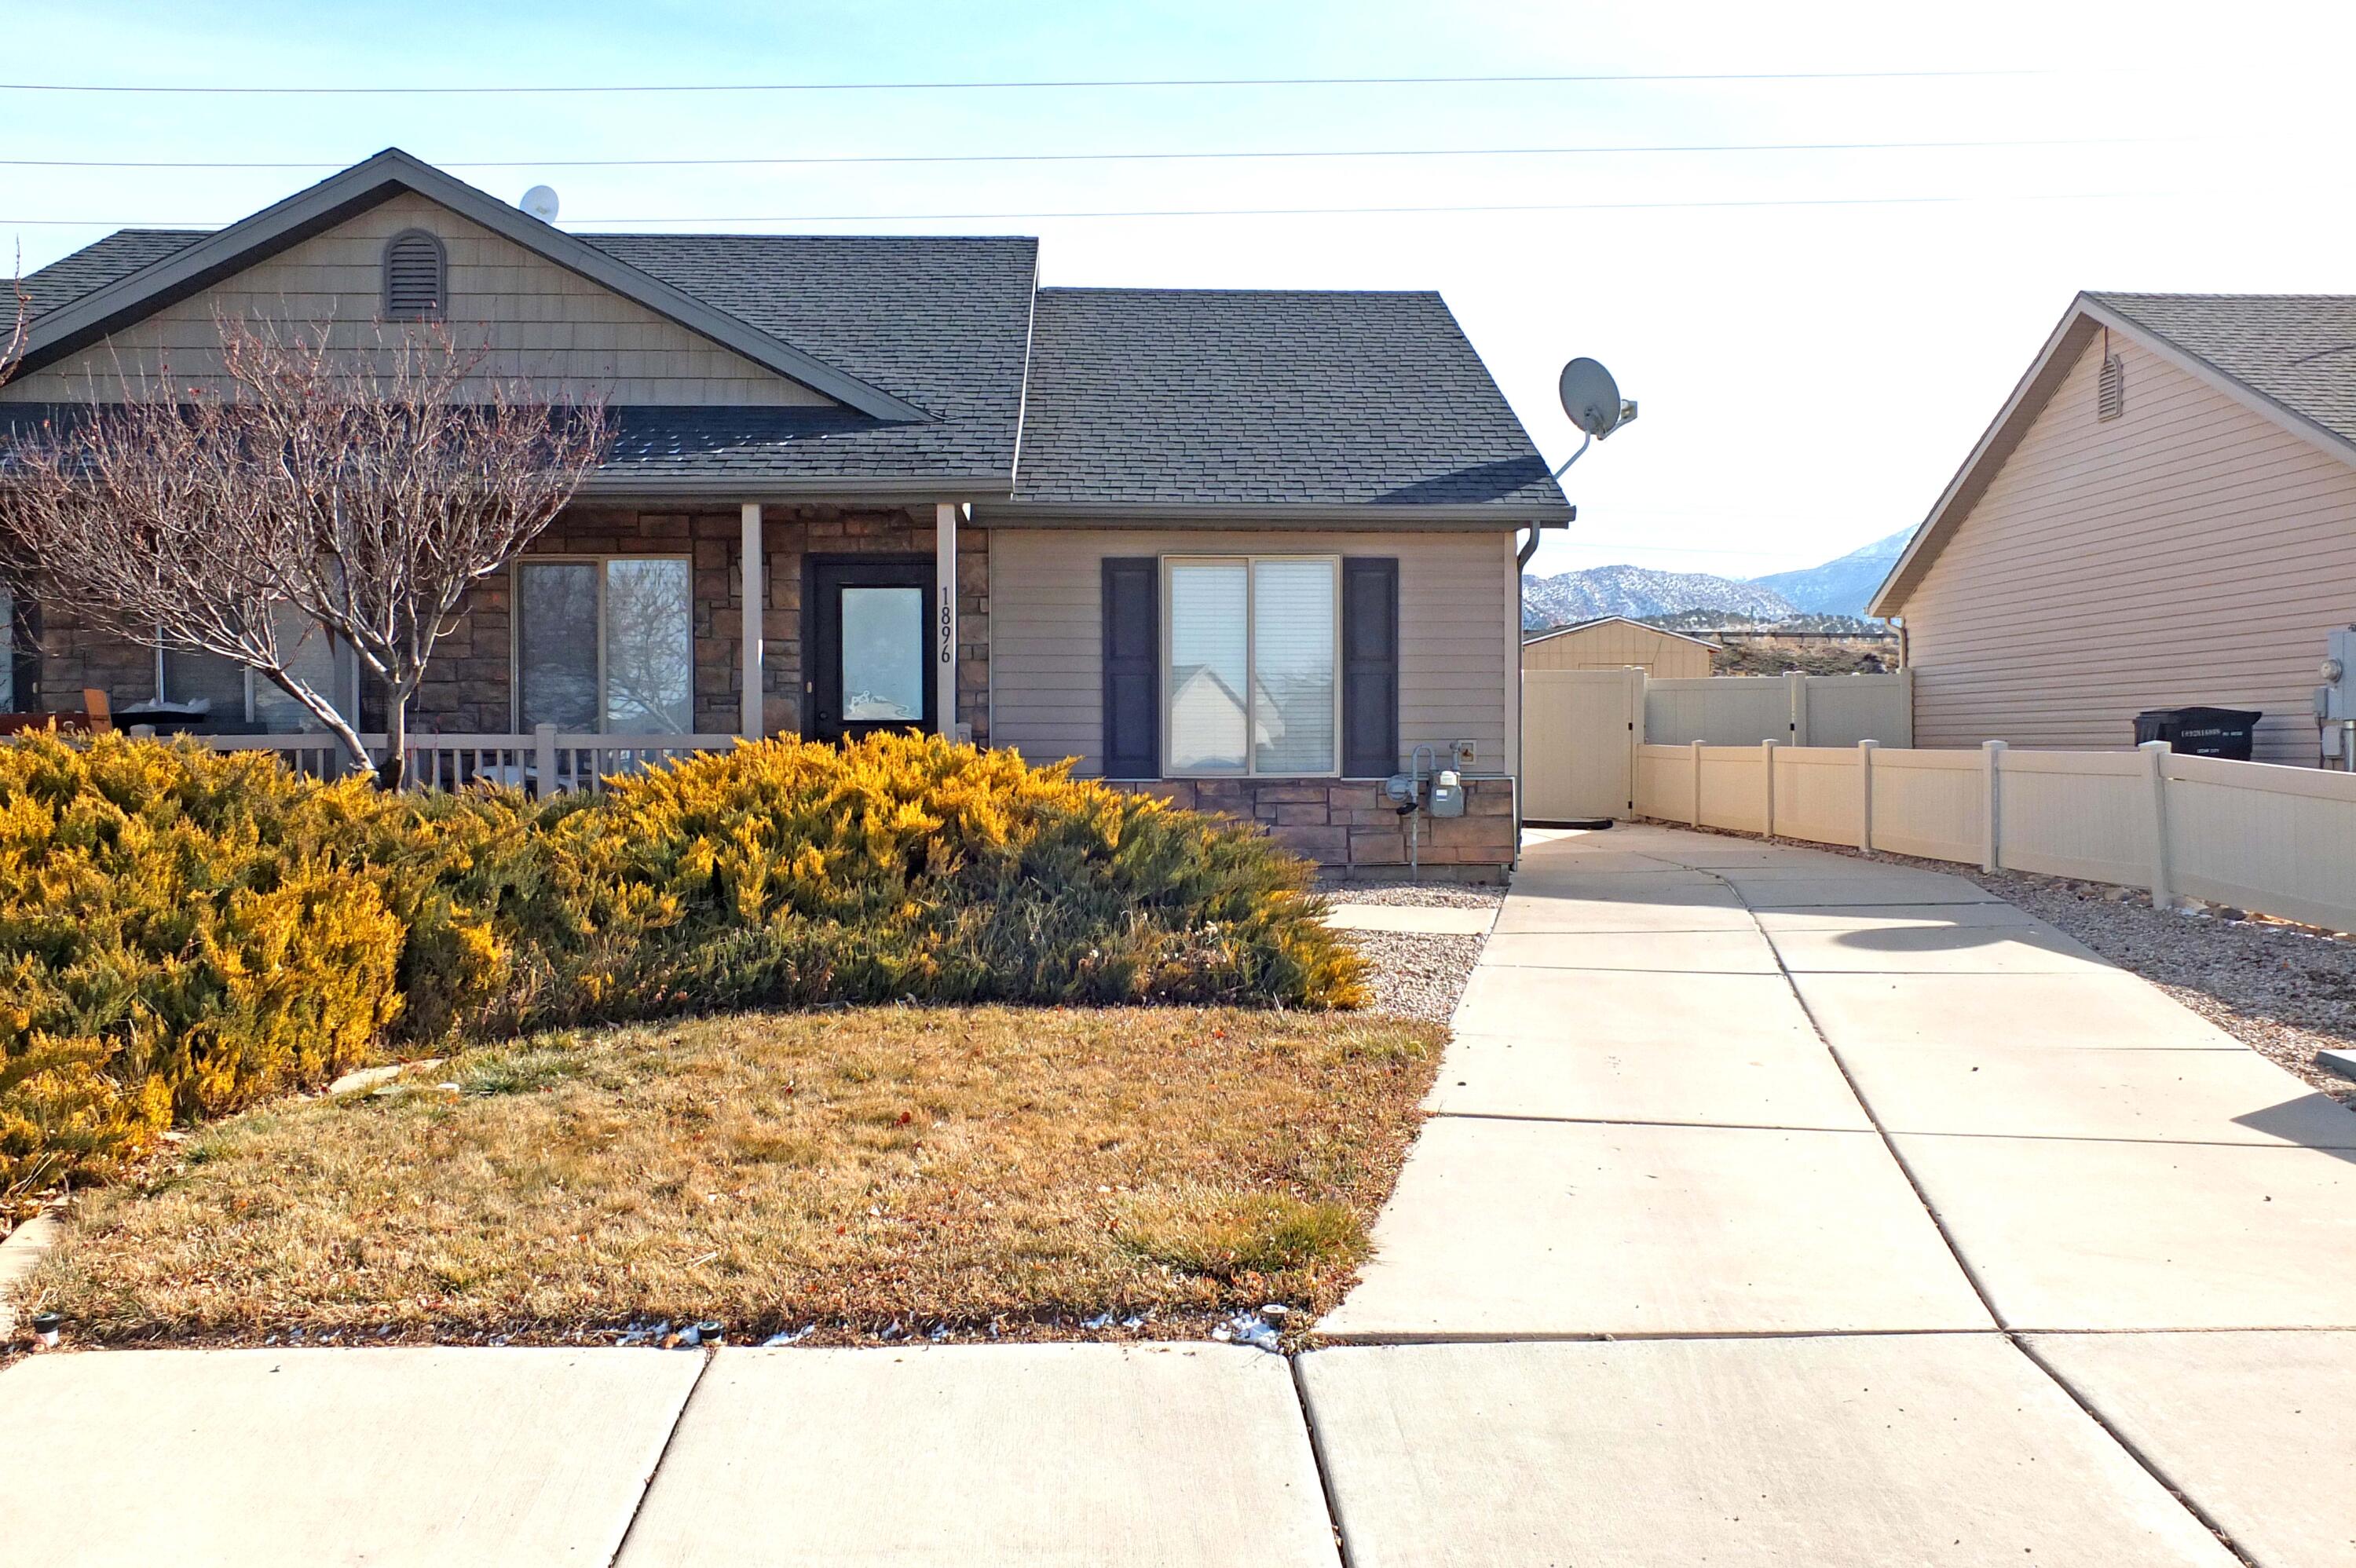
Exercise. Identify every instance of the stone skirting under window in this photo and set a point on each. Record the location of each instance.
(1347, 828)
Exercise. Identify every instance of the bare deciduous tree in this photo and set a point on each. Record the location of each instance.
(362, 489)
(20, 325)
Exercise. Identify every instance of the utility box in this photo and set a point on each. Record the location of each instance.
(1447, 796)
(2228, 732)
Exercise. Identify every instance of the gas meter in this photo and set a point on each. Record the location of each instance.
(1447, 796)
(2335, 700)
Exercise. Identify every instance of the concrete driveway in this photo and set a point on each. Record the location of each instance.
(1777, 1207)
(1780, 1206)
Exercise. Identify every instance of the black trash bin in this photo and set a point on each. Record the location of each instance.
(2225, 732)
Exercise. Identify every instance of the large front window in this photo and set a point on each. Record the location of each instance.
(605, 645)
(1251, 690)
(229, 698)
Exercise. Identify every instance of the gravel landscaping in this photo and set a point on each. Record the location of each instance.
(1417, 975)
(1416, 895)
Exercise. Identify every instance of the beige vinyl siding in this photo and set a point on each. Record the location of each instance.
(2190, 551)
(1617, 644)
(1458, 613)
(536, 319)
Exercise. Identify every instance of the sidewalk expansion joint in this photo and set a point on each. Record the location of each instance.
(1317, 1457)
(1979, 1286)
(662, 1457)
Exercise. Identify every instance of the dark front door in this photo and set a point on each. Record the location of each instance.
(869, 652)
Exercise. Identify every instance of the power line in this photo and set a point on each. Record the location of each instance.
(312, 91)
(1336, 153)
(1217, 211)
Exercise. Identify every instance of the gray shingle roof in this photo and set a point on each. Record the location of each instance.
(1200, 397)
(942, 322)
(117, 256)
(1136, 397)
(2298, 349)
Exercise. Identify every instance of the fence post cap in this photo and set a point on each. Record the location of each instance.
(2148, 746)
(1992, 746)
(1863, 745)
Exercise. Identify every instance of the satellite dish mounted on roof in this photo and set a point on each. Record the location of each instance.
(1592, 398)
(540, 202)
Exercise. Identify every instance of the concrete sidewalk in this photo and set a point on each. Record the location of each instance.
(1777, 1207)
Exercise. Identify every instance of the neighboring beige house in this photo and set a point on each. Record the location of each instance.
(1247, 549)
(2164, 514)
(1614, 642)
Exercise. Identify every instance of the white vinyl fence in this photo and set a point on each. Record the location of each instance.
(2279, 840)
(1797, 710)
(544, 761)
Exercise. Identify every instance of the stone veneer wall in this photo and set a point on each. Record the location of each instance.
(1347, 828)
(468, 687)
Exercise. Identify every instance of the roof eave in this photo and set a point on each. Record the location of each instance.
(911, 489)
(368, 184)
(1078, 514)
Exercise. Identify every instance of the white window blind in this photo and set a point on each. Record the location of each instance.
(1292, 665)
(1252, 683)
(1209, 646)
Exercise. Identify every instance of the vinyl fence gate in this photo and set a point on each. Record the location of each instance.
(1579, 731)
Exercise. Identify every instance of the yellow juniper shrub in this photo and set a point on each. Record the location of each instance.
(183, 932)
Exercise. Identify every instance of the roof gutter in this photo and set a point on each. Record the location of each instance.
(1133, 514)
(1530, 546)
(899, 489)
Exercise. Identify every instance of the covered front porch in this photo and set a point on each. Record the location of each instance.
(623, 636)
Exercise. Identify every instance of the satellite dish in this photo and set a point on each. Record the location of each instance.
(1590, 396)
(540, 202)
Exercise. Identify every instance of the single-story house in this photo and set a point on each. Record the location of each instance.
(2163, 515)
(1615, 642)
(893, 481)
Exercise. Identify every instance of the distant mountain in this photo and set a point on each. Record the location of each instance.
(1636, 590)
(1727, 620)
(1839, 587)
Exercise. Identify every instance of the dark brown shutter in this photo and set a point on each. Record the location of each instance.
(1369, 667)
(1132, 668)
(413, 280)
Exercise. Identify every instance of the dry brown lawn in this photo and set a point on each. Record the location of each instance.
(978, 1170)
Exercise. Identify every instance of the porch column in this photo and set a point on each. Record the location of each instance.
(751, 720)
(944, 625)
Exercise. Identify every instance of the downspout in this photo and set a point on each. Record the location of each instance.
(1521, 562)
(1530, 546)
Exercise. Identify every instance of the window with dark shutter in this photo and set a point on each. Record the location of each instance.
(1369, 667)
(1132, 661)
(414, 277)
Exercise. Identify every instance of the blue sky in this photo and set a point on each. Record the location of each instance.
(1817, 336)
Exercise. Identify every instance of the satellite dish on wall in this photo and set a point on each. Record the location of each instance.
(1592, 398)
(540, 202)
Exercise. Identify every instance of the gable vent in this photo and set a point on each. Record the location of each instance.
(415, 268)
(2111, 389)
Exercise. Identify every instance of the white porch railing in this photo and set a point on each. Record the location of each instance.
(544, 761)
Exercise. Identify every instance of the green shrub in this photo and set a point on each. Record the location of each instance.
(906, 867)
(183, 932)
(180, 934)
